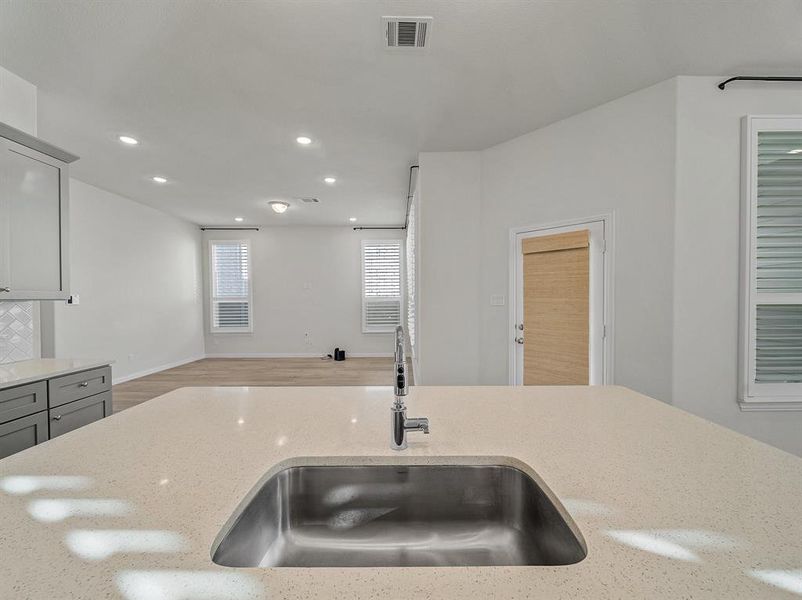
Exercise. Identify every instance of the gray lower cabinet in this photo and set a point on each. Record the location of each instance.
(76, 414)
(75, 386)
(36, 412)
(22, 400)
(23, 433)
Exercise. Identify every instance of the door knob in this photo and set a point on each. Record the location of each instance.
(519, 340)
(5, 289)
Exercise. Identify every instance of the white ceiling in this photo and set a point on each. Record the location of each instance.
(217, 92)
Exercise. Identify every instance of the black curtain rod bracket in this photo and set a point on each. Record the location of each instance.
(724, 83)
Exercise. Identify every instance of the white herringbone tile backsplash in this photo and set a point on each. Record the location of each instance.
(16, 331)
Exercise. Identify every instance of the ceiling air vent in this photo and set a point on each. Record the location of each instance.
(406, 32)
(310, 200)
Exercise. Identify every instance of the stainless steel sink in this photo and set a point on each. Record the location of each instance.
(399, 516)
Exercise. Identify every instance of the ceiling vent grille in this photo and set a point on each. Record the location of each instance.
(406, 32)
(310, 200)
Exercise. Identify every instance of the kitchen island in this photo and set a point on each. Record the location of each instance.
(668, 505)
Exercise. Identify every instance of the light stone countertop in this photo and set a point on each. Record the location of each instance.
(670, 506)
(37, 369)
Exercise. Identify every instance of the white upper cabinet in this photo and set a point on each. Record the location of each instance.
(34, 201)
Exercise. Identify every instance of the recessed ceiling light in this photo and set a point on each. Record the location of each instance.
(127, 139)
(279, 206)
(330, 180)
(303, 140)
(239, 219)
(159, 179)
(352, 219)
(795, 151)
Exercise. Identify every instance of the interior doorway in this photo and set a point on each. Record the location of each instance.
(561, 311)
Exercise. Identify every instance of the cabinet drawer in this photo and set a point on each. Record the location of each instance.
(79, 413)
(23, 433)
(23, 400)
(78, 385)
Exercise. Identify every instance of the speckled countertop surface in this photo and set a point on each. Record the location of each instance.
(670, 506)
(36, 369)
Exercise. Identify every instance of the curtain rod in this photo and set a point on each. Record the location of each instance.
(229, 229)
(406, 216)
(723, 84)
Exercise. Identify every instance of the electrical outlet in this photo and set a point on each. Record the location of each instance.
(131, 356)
(307, 339)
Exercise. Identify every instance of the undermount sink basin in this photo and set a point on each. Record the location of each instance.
(399, 516)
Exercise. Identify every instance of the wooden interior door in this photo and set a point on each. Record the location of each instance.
(556, 302)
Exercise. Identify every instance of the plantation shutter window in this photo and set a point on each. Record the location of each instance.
(230, 287)
(771, 332)
(381, 286)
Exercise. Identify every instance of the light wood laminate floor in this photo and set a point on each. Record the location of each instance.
(255, 372)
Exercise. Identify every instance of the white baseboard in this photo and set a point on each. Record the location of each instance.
(138, 374)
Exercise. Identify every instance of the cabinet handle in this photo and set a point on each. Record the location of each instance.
(57, 417)
(5, 289)
(83, 384)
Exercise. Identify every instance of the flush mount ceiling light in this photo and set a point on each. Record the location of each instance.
(159, 179)
(239, 219)
(127, 139)
(303, 140)
(352, 219)
(795, 151)
(279, 206)
(330, 180)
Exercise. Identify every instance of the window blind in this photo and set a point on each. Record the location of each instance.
(779, 212)
(381, 285)
(231, 286)
(778, 256)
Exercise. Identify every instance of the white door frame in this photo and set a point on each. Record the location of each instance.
(605, 221)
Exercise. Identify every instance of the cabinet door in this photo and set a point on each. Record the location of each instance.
(23, 433)
(32, 218)
(76, 414)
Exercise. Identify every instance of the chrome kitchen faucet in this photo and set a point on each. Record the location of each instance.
(400, 424)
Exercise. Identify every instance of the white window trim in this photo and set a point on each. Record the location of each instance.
(227, 330)
(754, 396)
(402, 274)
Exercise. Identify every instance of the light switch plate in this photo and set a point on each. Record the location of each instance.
(497, 300)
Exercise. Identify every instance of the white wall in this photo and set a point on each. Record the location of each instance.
(617, 158)
(706, 252)
(305, 279)
(138, 274)
(448, 268)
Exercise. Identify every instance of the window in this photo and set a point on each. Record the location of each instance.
(771, 281)
(381, 285)
(230, 310)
